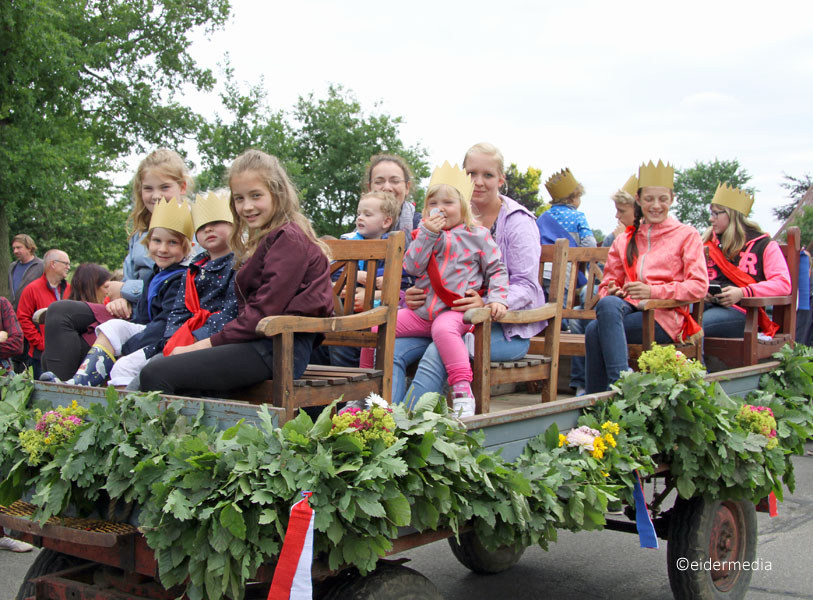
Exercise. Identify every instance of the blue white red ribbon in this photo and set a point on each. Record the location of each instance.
(292, 575)
(646, 530)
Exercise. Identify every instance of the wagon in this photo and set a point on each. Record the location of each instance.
(105, 560)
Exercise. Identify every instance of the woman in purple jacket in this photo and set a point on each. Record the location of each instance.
(514, 229)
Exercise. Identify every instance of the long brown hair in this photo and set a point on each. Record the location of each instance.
(167, 162)
(86, 281)
(285, 205)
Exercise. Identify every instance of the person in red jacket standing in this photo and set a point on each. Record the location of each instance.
(40, 293)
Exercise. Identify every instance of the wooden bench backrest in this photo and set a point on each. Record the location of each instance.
(785, 315)
(589, 261)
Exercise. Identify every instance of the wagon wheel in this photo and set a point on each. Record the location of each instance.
(709, 532)
(387, 582)
(48, 561)
(471, 553)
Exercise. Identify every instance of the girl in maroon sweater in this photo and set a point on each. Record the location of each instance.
(283, 270)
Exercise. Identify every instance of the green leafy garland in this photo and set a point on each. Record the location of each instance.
(214, 505)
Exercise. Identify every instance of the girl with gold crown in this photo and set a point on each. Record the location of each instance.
(658, 257)
(449, 255)
(743, 261)
(168, 243)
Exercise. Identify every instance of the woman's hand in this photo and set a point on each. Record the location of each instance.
(199, 345)
(729, 296)
(637, 290)
(614, 290)
(119, 308)
(498, 310)
(414, 298)
(3, 336)
(471, 300)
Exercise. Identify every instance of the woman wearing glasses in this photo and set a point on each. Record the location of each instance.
(390, 173)
(743, 263)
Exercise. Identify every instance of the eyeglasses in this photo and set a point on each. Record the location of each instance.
(67, 263)
(717, 213)
(392, 180)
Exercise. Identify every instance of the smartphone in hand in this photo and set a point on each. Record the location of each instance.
(714, 289)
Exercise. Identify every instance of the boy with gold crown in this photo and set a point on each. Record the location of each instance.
(449, 255)
(168, 243)
(743, 263)
(658, 257)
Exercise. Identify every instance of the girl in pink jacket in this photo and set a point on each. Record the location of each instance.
(449, 255)
(658, 257)
(743, 261)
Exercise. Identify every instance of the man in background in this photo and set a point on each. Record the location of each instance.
(25, 269)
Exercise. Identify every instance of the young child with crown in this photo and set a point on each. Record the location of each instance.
(168, 243)
(743, 261)
(566, 194)
(449, 255)
(657, 257)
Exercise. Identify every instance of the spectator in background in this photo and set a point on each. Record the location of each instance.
(40, 293)
(25, 269)
(11, 336)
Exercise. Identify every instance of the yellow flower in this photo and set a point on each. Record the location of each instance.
(605, 474)
(598, 448)
(608, 437)
(562, 440)
(47, 440)
(611, 427)
(597, 453)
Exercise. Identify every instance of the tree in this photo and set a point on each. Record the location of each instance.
(85, 84)
(523, 187)
(695, 187)
(797, 188)
(599, 235)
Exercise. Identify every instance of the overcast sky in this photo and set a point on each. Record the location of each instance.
(595, 86)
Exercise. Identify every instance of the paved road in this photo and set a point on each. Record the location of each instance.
(603, 565)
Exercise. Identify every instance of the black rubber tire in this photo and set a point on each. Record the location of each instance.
(701, 531)
(387, 582)
(471, 553)
(47, 561)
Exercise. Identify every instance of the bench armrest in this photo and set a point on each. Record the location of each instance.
(765, 301)
(270, 326)
(531, 315)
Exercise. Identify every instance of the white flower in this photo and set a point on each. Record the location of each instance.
(583, 436)
(375, 400)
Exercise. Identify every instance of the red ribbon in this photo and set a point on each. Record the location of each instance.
(183, 336)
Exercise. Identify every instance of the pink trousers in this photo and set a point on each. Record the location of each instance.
(446, 330)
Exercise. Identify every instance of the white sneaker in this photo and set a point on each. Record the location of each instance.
(7, 543)
(463, 407)
(580, 391)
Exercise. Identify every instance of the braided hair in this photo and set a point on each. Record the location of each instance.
(632, 247)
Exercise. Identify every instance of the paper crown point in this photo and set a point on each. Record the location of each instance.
(733, 198)
(210, 208)
(660, 175)
(631, 186)
(455, 177)
(174, 215)
(561, 185)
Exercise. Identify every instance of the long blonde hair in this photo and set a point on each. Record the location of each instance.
(285, 205)
(168, 163)
(736, 234)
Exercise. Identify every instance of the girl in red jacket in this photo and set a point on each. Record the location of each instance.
(743, 261)
(658, 257)
(283, 270)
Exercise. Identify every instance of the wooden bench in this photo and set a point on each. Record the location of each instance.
(320, 385)
(541, 363)
(749, 349)
(590, 261)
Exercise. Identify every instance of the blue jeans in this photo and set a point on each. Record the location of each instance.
(577, 362)
(431, 374)
(605, 344)
(722, 322)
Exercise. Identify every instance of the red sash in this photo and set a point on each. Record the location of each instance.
(741, 279)
(183, 336)
(433, 271)
(690, 330)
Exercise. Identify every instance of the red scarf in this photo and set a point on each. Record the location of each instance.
(433, 271)
(183, 336)
(741, 279)
(690, 330)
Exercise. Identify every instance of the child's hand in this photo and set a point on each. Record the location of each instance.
(638, 290)
(199, 345)
(614, 290)
(361, 277)
(730, 296)
(114, 289)
(498, 310)
(3, 336)
(379, 282)
(435, 222)
(119, 308)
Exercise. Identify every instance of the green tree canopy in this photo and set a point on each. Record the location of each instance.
(524, 187)
(797, 188)
(85, 84)
(695, 187)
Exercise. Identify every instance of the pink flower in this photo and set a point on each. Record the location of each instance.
(583, 436)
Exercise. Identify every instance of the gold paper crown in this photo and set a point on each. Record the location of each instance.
(659, 175)
(210, 208)
(631, 187)
(174, 215)
(455, 177)
(561, 184)
(733, 198)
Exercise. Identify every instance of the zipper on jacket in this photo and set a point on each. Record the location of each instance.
(446, 250)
